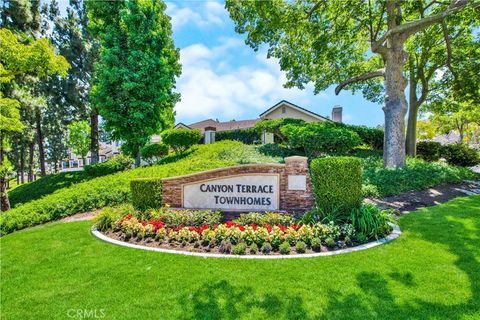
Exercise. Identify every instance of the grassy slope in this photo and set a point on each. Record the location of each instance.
(43, 186)
(430, 272)
(115, 188)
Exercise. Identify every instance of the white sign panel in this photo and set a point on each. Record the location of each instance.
(297, 182)
(241, 192)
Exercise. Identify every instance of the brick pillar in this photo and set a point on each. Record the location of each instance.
(297, 189)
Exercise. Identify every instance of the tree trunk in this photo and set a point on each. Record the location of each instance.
(22, 163)
(395, 106)
(4, 202)
(41, 150)
(94, 156)
(30, 160)
(137, 159)
(411, 141)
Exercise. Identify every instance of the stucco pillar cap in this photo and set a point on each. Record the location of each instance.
(295, 159)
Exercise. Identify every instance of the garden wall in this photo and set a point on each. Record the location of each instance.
(251, 187)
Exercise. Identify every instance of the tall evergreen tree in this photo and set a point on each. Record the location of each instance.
(74, 42)
(135, 76)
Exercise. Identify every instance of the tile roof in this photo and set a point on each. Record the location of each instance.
(224, 126)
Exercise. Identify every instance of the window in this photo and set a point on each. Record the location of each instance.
(284, 109)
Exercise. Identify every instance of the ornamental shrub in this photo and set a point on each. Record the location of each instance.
(372, 137)
(275, 125)
(146, 193)
(429, 150)
(240, 249)
(370, 221)
(320, 138)
(329, 242)
(153, 152)
(460, 154)
(253, 248)
(284, 248)
(247, 136)
(337, 184)
(107, 218)
(301, 247)
(194, 218)
(316, 244)
(277, 150)
(266, 248)
(265, 218)
(114, 164)
(181, 139)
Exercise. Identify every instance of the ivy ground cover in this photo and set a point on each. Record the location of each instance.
(430, 272)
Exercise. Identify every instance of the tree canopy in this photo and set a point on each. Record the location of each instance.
(345, 42)
(135, 76)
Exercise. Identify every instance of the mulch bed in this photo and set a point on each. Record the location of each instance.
(412, 200)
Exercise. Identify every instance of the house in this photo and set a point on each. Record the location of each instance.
(75, 162)
(282, 109)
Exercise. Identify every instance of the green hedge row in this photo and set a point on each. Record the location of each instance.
(114, 164)
(458, 154)
(146, 193)
(247, 136)
(337, 183)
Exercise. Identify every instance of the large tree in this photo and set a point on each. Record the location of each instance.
(345, 42)
(135, 76)
(69, 96)
(441, 59)
(17, 60)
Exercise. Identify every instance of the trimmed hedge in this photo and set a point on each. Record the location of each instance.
(337, 183)
(247, 136)
(373, 137)
(114, 164)
(320, 138)
(181, 139)
(460, 154)
(153, 152)
(429, 150)
(146, 193)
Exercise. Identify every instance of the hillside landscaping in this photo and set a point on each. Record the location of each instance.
(64, 194)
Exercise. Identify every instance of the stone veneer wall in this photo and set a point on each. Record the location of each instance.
(290, 200)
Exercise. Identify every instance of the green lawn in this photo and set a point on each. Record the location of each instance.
(431, 272)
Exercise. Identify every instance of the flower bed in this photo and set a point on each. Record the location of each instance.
(238, 237)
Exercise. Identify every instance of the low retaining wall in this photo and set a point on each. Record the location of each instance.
(251, 187)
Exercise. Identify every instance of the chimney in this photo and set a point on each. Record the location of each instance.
(337, 114)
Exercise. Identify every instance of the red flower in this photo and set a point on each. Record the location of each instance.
(230, 224)
(268, 227)
(282, 227)
(295, 227)
(254, 226)
(157, 224)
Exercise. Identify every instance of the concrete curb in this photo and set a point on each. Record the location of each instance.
(392, 236)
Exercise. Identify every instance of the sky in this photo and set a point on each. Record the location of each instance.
(223, 78)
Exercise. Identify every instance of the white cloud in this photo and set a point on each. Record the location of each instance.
(208, 13)
(212, 87)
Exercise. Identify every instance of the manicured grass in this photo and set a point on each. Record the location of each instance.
(430, 272)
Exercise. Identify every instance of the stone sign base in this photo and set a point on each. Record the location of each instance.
(251, 187)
